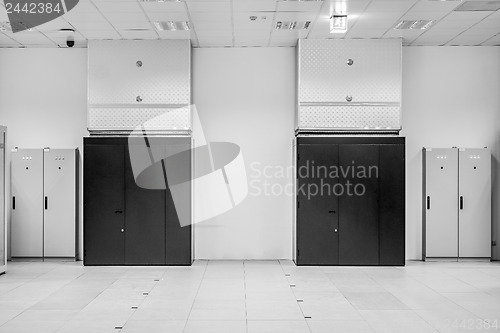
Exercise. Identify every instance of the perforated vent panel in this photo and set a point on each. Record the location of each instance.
(349, 117)
(152, 119)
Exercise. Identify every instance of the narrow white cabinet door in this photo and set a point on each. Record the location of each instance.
(441, 207)
(27, 203)
(475, 203)
(59, 202)
(3, 249)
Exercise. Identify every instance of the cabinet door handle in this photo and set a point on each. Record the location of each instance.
(331, 212)
(46, 203)
(428, 202)
(461, 202)
(118, 211)
(14, 203)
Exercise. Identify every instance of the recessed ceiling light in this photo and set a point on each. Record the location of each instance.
(292, 25)
(476, 6)
(338, 24)
(172, 25)
(414, 25)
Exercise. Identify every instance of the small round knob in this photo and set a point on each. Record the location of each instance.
(348, 98)
(350, 62)
(139, 63)
(336, 230)
(122, 230)
(138, 99)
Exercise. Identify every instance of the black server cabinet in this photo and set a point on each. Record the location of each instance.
(358, 215)
(125, 224)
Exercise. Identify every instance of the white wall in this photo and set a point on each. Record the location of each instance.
(451, 97)
(247, 96)
(43, 99)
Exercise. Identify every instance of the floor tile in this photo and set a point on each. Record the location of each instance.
(278, 327)
(344, 326)
(154, 327)
(374, 301)
(215, 326)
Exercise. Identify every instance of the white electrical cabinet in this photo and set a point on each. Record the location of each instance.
(456, 203)
(3, 229)
(44, 203)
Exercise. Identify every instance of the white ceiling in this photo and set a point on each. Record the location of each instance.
(226, 23)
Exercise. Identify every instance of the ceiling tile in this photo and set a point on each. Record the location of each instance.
(29, 37)
(211, 25)
(435, 6)
(254, 6)
(241, 20)
(428, 15)
(101, 24)
(100, 34)
(299, 6)
(400, 6)
(495, 41)
(132, 25)
(166, 6)
(168, 16)
(118, 7)
(295, 16)
(175, 34)
(138, 34)
(366, 33)
(56, 24)
(125, 17)
(209, 6)
(200, 16)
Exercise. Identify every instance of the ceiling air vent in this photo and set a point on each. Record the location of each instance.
(292, 25)
(414, 25)
(172, 25)
(478, 6)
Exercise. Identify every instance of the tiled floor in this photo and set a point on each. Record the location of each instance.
(250, 297)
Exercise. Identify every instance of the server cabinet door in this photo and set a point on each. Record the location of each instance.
(474, 227)
(359, 208)
(104, 204)
(440, 202)
(145, 215)
(392, 204)
(27, 203)
(59, 203)
(317, 205)
(178, 203)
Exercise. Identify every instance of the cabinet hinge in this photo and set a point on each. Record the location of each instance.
(298, 204)
(493, 243)
(298, 253)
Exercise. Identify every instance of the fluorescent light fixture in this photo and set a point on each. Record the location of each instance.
(160, 0)
(292, 25)
(338, 24)
(414, 25)
(172, 25)
(478, 6)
